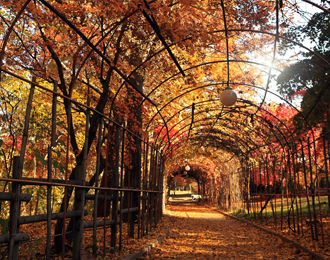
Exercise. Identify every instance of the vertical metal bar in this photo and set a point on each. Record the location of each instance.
(121, 193)
(14, 207)
(139, 195)
(66, 177)
(49, 177)
(326, 156)
(151, 186)
(255, 197)
(282, 193)
(15, 212)
(155, 195)
(274, 190)
(98, 161)
(139, 213)
(299, 196)
(161, 188)
(287, 184)
(254, 186)
(161, 177)
(313, 188)
(318, 192)
(146, 147)
(248, 195)
(148, 171)
(295, 189)
(106, 171)
(76, 250)
(268, 188)
(307, 191)
(115, 201)
(142, 206)
(251, 187)
(158, 188)
(129, 194)
(260, 167)
(291, 191)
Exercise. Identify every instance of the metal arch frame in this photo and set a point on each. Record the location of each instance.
(73, 101)
(267, 125)
(126, 79)
(229, 30)
(245, 61)
(228, 70)
(89, 43)
(241, 30)
(244, 142)
(280, 141)
(86, 40)
(236, 106)
(232, 111)
(201, 120)
(218, 83)
(245, 102)
(266, 143)
(181, 169)
(198, 176)
(178, 145)
(228, 61)
(262, 137)
(245, 84)
(113, 120)
(274, 55)
(227, 45)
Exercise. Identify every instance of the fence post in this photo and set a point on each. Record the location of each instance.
(96, 198)
(78, 206)
(150, 197)
(155, 187)
(49, 177)
(113, 240)
(15, 206)
(17, 174)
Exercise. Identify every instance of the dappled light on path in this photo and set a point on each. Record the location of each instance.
(197, 232)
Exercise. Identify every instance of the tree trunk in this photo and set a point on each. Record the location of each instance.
(110, 171)
(133, 172)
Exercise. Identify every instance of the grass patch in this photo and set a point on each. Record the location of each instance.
(242, 214)
(276, 209)
(303, 208)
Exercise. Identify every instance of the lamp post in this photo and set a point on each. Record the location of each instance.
(228, 97)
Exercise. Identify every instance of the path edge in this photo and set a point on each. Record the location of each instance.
(147, 248)
(305, 249)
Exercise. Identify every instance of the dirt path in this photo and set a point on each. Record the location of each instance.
(197, 232)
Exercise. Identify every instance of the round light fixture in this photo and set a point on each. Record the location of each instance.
(187, 168)
(228, 97)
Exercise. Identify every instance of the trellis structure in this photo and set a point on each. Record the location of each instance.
(134, 96)
(144, 196)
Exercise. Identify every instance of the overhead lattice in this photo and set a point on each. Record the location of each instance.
(177, 56)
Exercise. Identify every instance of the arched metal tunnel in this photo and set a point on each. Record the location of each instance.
(134, 88)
